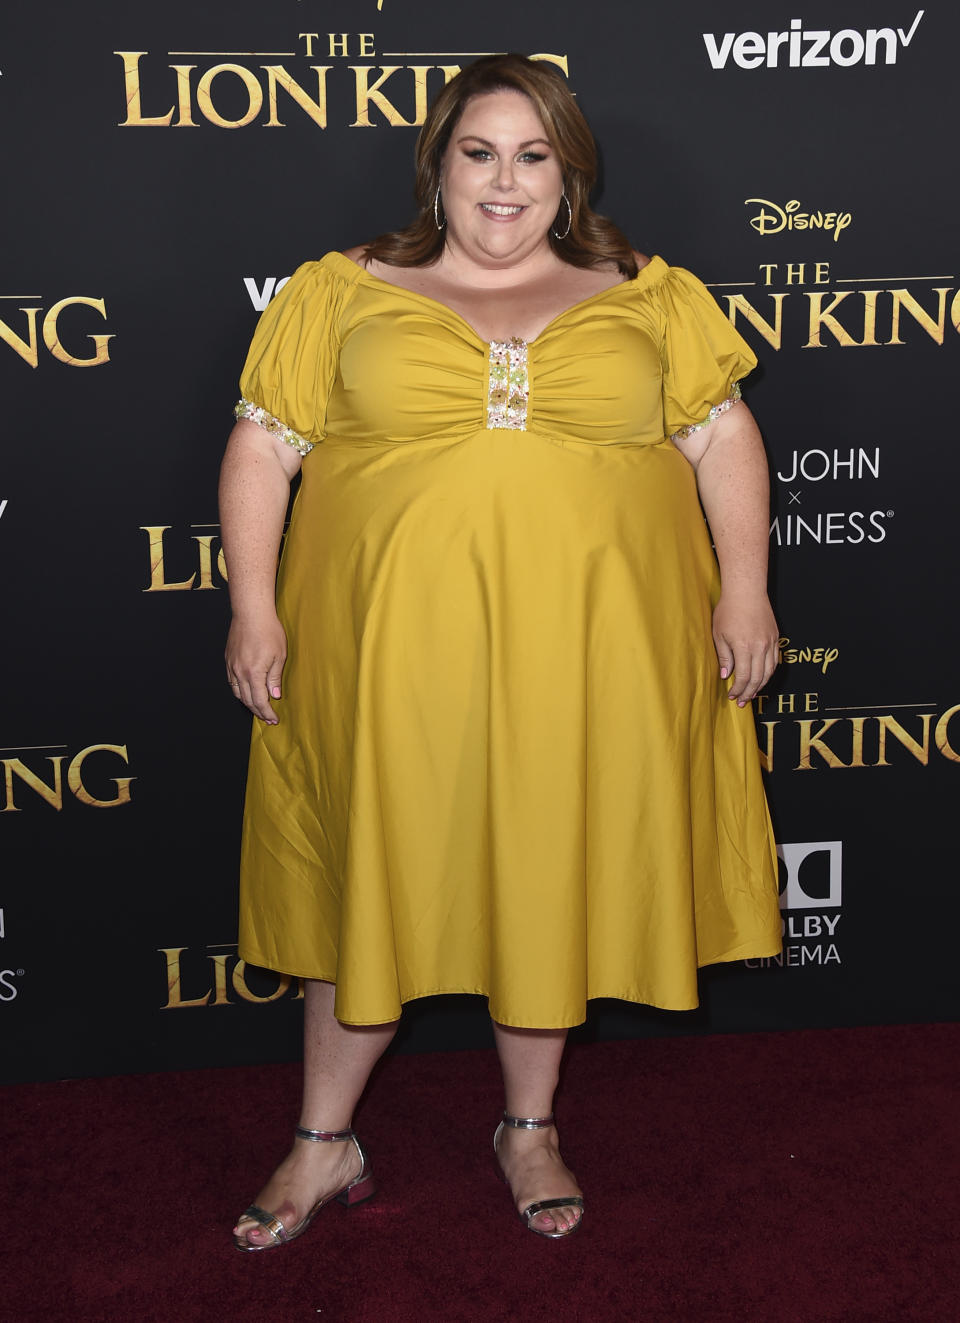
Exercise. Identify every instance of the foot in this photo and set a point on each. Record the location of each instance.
(306, 1175)
(533, 1168)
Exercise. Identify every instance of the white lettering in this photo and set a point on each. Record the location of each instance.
(808, 50)
(837, 52)
(749, 50)
(916, 23)
(718, 54)
(813, 59)
(836, 526)
(261, 297)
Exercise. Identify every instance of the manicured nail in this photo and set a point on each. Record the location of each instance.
(275, 691)
(723, 672)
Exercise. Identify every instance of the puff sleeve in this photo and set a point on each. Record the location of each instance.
(703, 357)
(292, 360)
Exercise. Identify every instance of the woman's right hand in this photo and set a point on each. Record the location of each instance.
(255, 655)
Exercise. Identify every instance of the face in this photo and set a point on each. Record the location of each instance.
(501, 181)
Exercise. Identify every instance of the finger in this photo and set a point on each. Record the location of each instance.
(724, 656)
(752, 670)
(743, 670)
(274, 677)
(253, 693)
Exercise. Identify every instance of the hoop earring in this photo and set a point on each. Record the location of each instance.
(569, 219)
(436, 210)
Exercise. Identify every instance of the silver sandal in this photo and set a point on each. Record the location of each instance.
(541, 1205)
(356, 1191)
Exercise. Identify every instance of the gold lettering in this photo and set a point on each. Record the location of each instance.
(366, 45)
(28, 351)
(768, 268)
(772, 334)
(766, 754)
(131, 77)
(795, 273)
(242, 988)
(219, 979)
(561, 61)
(309, 38)
(338, 45)
(903, 298)
(920, 751)
(317, 110)
(822, 270)
(75, 777)
(810, 743)
(450, 72)
(941, 737)
(183, 96)
(811, 703)
(205, 543)
(51, 337)
(367, 93)
(869, 316)
(856, 726)
(174, 998)
(420, 72)
(205, 99)
(158, 583)
(822, 317)
(785, 703)
(52, 795)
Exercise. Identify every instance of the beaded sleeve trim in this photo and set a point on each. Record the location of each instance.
(683, 432)
(247, 409)
(509, 385)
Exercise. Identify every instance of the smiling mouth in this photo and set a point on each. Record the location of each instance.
(497, 209)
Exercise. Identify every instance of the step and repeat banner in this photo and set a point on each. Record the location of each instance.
(167, 167)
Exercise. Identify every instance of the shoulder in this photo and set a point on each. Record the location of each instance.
(641, 259)
(356, 254)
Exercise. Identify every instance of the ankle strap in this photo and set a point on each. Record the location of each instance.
(528, 1122)
(324, 1136)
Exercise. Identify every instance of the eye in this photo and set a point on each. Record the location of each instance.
(531, 158)
(479, 154)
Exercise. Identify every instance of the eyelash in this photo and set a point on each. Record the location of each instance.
(480, 153)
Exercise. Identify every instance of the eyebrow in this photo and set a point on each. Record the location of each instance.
(475, 137)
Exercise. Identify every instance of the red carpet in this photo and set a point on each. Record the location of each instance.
(803, 1178)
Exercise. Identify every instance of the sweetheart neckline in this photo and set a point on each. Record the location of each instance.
(363, 273)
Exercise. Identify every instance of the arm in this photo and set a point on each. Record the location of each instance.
(254, 491)
(728, 458)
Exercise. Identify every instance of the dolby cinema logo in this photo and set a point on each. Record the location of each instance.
(811, 891)
(811, 875)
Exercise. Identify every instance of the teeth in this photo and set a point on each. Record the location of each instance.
(500, 211)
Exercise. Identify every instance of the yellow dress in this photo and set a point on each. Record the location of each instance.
(505, 762)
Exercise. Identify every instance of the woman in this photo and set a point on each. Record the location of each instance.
(509, 758)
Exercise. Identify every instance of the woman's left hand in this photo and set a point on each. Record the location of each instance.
(747, 640)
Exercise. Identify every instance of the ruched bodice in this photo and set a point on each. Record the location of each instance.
(505, 762)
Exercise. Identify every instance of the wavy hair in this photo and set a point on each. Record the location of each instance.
(590, 240)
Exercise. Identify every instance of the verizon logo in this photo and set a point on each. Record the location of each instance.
(799, 49)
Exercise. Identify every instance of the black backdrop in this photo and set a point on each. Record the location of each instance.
(153, 201)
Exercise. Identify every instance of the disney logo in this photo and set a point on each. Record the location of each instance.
(821, 657)
(774, 219)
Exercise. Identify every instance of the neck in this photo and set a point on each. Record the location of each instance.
(480, 268)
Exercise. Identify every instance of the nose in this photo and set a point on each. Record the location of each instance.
(504, 178)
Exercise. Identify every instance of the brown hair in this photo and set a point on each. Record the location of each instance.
(590, 239)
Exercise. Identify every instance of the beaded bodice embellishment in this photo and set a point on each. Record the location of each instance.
(509, 387)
